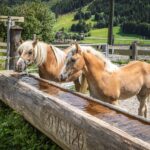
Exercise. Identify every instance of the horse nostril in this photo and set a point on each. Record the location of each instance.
(61, 77)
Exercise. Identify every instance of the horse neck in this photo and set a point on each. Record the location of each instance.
(92, 63)
(51, 59)
(50, 68)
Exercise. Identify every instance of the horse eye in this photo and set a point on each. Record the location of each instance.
(73, 60)
(30, 52)
(20, 53)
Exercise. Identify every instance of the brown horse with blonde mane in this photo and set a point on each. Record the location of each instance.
(111, 85)
(48, 58)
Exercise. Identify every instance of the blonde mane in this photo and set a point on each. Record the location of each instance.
(109, 65)
(59, 54)
(40, 52)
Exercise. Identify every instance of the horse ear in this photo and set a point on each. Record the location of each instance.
(78, 48)
(35, 42)
(72, 42)
(18, 43)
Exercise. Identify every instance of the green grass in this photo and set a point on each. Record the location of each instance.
(64, 21)
(98, 35)
(18, 134)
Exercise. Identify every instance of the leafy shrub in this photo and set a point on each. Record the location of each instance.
(101, 24)
(81, 26)
(81, 15)
(38, 20)
(87, 15)
(99, 16)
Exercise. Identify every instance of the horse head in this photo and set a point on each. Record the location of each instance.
(26, 55)
(30, 52)
(74, 64)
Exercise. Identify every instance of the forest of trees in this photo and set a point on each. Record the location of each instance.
(65, 6)
(136, 11)
(40, 15)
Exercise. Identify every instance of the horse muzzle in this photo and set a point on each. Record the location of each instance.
(20, 65)
(63, 77)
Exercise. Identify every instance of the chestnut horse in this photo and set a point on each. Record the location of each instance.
(49, 60)
(111, 85)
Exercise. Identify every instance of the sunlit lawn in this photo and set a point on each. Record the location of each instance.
(100, 36)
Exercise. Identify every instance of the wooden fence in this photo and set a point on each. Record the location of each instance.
(3, 53)
(116, 52)
(120, 52)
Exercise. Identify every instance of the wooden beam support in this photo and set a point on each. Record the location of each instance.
(13, 18)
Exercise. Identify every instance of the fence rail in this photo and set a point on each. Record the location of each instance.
(2, 44)
(3, 50)
(116, 47)
(3, 53)
(115, 52)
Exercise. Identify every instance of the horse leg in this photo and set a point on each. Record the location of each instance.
(146, 107)
(142, 111)
(77, 85)
(84, 84)
(115, 102)
(145, 113)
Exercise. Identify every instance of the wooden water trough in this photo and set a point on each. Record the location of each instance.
(73, 121)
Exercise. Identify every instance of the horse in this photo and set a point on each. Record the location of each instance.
(111, 85)
(48, 58)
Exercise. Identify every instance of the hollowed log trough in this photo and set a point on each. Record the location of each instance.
(72, 120)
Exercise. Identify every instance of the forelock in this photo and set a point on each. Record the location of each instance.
(27, 45)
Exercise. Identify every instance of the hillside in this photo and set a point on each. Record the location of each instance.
(65, 6)
(137, 10)
(93, 16)
(97, 35)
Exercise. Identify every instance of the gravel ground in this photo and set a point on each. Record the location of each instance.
(132, 105)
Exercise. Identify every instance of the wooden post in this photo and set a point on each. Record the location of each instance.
(34, 37)
(134, 51)
(15, 36)
(110, 26)
(105, 49)
(10, 21)
(8, 43)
